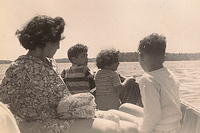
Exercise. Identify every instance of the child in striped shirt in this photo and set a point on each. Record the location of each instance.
(108, 83)
(78, 77)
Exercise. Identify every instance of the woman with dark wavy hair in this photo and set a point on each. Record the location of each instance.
(37, 95)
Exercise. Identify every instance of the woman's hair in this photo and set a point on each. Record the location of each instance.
(154, 44)
(40, 30)
(107, 57)
(76, 50)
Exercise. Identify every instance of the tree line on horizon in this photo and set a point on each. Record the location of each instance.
(133, 57)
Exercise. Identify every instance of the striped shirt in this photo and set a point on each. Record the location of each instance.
(107, 96)
(78, 79)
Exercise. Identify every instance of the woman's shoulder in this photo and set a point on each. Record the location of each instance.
(25, 61)
(16, 66)
(26, 65)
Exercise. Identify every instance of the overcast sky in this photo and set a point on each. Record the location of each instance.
(104, 24)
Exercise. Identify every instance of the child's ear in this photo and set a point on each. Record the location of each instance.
(73, 59)
(161, 59)
(165, 56)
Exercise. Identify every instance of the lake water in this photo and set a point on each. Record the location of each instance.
(187, 72)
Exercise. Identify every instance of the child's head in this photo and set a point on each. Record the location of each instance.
(77, 54)
(108, 59)
(151, 52)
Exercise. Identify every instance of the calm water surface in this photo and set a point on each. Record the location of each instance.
(187, 72)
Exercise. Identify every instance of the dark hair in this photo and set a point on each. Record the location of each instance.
(76, 50)
(107, 57)
(154, 44)
(40, 30)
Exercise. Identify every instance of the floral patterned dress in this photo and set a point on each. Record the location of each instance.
(33, 89)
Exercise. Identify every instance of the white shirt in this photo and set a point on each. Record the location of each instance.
(7, 121)
(160, 97)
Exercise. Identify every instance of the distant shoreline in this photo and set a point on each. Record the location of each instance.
(94, 61)
(5, 61)
(133, 57)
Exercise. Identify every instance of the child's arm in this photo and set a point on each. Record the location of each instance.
(121, 87)
(91, 78)
(122, 78)
(92, 83)
(63, 73)
(151, 102)
(118, 86)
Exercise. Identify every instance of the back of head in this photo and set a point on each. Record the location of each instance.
(76, 50)
(153, 45)
(40, 30)
(107, 57)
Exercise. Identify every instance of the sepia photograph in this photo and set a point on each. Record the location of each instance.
(99, 66)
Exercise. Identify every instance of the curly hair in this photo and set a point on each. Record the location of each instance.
(107, 57)
(76, 50)
(40, 30)
(154, 44)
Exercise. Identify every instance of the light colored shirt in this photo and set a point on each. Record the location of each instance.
(107, 97)
(7, 121)
(160, 97)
